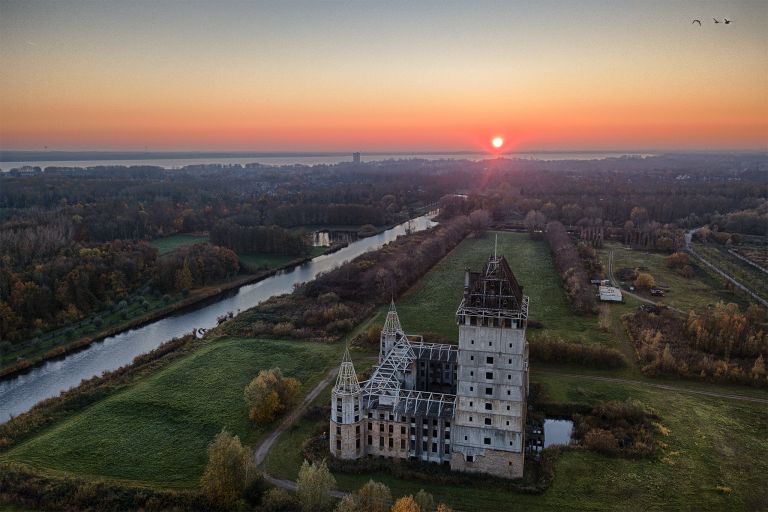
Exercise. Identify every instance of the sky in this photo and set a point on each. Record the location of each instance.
(383, 76)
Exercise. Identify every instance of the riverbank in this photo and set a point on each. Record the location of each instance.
(195, 298)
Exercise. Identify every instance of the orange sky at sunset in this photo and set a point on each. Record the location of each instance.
(430, 76)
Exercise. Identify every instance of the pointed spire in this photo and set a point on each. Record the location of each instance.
(346, 381)
(392, 323)
(495, 245)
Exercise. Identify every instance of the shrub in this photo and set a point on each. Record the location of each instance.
(270, 394)
(548, 350)
(313, 487)
(229, 466)
(279, 500)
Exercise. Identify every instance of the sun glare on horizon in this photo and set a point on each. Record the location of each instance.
(497, 142)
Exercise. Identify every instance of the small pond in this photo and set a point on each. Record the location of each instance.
(557, 432)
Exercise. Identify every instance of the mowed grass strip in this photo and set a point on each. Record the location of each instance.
(430, 306)
(171, 243)
(157, 431)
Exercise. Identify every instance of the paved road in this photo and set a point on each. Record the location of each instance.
(666, 387)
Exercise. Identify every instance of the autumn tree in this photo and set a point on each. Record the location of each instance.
(534, 221)
(184, 280)
(425, 501)
(270, 394)
(644, 281)
(374, 497)
(442, 507)
(479, 220)
(406, 504)
(229, 468)
(758, 369)
(348, 503)
(313, 487)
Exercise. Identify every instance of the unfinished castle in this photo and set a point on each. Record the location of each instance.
(460, 405)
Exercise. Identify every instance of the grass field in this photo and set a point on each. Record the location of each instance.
(698, 292)
(712, 443)
(254, 262)
(430, 306)
(157, 431)
(745, 273)
(171, 243)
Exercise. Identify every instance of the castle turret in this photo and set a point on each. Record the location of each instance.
(346, 401)
(390, 333)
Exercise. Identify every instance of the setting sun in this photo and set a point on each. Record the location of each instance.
(497, 142)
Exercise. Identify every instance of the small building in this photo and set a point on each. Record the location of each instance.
(610, 294)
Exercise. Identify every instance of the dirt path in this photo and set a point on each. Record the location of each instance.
(667, 387)
(260, 453)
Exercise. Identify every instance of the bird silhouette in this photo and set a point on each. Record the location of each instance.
(727, 21)
(716, 20)
(696, 21)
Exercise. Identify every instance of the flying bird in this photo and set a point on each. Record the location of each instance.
(727, 21)
(716, 20)
(696, 21)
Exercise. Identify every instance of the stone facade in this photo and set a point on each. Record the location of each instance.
(461, 405)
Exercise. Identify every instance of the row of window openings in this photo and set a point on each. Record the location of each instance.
(489, 375)
(425, 431)
(486, 440)
(488, 360)
(487, 421)
(488, 406)
(339, 420)
(490, 322)
(338, 444)
(490, 343)
(403, 419)
(489, 391)
(424, 445)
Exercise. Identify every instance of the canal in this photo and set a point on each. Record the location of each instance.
(20, 393)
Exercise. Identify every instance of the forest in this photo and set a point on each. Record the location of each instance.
(73, 241)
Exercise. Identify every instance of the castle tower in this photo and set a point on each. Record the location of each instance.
(389, 334)
(346, 403)
(492, 377)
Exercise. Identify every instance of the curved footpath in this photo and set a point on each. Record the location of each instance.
(261, 451)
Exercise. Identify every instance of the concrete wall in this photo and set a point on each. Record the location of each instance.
(492, 386)
(494, 462)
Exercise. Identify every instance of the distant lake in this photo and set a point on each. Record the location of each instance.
(303, 159)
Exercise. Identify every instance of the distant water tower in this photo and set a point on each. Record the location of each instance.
(355, 158)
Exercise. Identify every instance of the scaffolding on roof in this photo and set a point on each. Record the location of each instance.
(346, 380)
(392, 323)
(425, 403)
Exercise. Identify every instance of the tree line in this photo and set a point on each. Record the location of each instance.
(577, 285)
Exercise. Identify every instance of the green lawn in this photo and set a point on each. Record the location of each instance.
(696, 293)
(171, 243)
(712, 442)
(157, 431)
(254, 262)
(430, 306)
